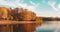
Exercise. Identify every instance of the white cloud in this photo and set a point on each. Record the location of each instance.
(7, 4)
(16, 4)
(52, 5)
(34, 6)
(32, 3)
(58, 6)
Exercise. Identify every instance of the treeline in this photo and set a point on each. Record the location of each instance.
(16, 14)
(19, 14)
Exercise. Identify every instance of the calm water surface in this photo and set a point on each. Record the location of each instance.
(49, 26)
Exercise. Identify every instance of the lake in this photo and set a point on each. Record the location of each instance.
(49, 26)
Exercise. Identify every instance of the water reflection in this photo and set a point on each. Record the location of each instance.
(49, 26)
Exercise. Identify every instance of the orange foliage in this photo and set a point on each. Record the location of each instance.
(27, 15)
(39, 21)
(21, 14)
(3, 12)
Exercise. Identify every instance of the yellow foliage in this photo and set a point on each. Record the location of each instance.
(4, 12)
(39, 21)
(27, 15)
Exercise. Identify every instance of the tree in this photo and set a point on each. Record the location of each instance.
(39, 21)
(4, 12)
(27, 15)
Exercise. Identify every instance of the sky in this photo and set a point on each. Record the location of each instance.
(44, 8)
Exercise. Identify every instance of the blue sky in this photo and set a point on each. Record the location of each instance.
(45, 8)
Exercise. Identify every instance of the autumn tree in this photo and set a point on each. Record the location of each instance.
(27, 15)
(5, 12)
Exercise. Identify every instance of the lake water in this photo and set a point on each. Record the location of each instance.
(49, 26)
